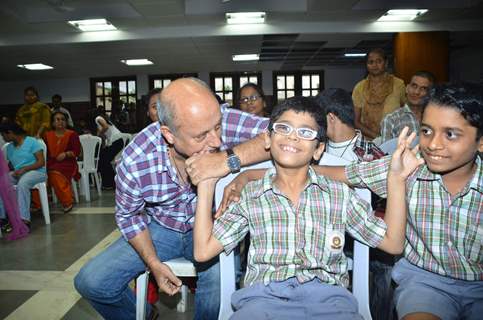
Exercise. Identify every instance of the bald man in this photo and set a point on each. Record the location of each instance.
(156, 199)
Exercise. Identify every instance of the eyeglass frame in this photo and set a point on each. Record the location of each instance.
(252, 98)
(275, 124)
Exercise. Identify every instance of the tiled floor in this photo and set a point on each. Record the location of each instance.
(36, 272)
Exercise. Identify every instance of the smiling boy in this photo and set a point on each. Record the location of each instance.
(297, 220)
(441, 274)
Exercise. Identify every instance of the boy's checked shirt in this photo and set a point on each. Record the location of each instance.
(444, 234)
(303, 240)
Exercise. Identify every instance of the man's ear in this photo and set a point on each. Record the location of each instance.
(268, 141)
(319, 151)
(330, 117)
(167, 134)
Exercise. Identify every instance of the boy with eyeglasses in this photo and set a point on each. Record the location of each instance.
(296, 221)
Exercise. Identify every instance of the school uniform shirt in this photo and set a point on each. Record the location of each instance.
(146, 180)
(303, 240)
(444, 234)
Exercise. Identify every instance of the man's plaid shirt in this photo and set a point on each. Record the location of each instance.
(303, 240)
(444, 234)
(147, 186)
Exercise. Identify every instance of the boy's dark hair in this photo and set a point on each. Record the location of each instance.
(12, 127)
(338, 102)
(425, 74)
(301, 104)
(31, 88)
(56, 96)
(467, 98)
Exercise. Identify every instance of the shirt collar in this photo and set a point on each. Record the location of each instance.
(267, 181)
(476, 182)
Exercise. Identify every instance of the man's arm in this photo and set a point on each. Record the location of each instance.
(206, 246)
(133, 225)
(214, 165)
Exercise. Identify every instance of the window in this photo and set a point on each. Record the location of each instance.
(113, 93)
(289, 84)
(227, 84)
(162, 80)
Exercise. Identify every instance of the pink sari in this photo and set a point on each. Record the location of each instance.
(9, 198)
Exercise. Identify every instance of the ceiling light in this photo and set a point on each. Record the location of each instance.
(245, 17)
(93, 25)
(354, 55)
(137, 62)
(402, 14)
(35, 66)
(245, 57)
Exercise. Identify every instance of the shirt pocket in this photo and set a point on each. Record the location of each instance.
(334, 241)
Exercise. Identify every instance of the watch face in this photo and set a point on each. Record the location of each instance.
(234, 163)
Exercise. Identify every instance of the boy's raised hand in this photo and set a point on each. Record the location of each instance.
(404, 160)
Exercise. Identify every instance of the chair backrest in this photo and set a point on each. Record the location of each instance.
(91, 147)
(390, 146)
(126, 138)
(227, 262)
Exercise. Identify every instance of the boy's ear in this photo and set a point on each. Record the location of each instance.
(266, 137)
(330, 116)
(480, 145)
(167, 134)
(319, 151)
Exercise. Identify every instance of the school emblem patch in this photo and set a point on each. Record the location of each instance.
(335, 241)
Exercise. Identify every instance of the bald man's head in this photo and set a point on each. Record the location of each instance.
(181, 97)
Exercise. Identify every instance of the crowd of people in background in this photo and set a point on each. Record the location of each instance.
(189, 133)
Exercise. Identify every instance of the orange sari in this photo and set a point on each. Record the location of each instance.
(60, 173)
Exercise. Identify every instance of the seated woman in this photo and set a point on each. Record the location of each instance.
(26, 159)
(113, 144)
(63, 148)
(252, 100)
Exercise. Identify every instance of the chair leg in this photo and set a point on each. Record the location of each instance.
(181, 306)
(74, 189)
(44, 201)
(54, 197)
(141, 295)
(85, 184)
(98, 183)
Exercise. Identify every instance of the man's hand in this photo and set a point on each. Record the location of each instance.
(404, 160)
(206, 165)
(167, 281)
(231, 194)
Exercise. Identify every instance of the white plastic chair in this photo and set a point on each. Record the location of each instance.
(181, 268)
(91, 147)
(126, 138)
(41, 186)
(390, 146)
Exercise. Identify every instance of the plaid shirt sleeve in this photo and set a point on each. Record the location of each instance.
(239, 126)
(232, 226)
(387, 124)
(372, 175)
(129, 202)
(361, 222)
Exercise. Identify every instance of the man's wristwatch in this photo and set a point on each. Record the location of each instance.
(233, 161)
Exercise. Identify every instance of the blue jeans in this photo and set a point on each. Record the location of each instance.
(26, 182)
(104, 280)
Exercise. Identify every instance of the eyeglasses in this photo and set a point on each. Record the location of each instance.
(250, 98)
(302, 133)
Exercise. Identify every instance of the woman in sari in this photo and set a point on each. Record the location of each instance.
(63, 148)
(377, 95)
(33, 116)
